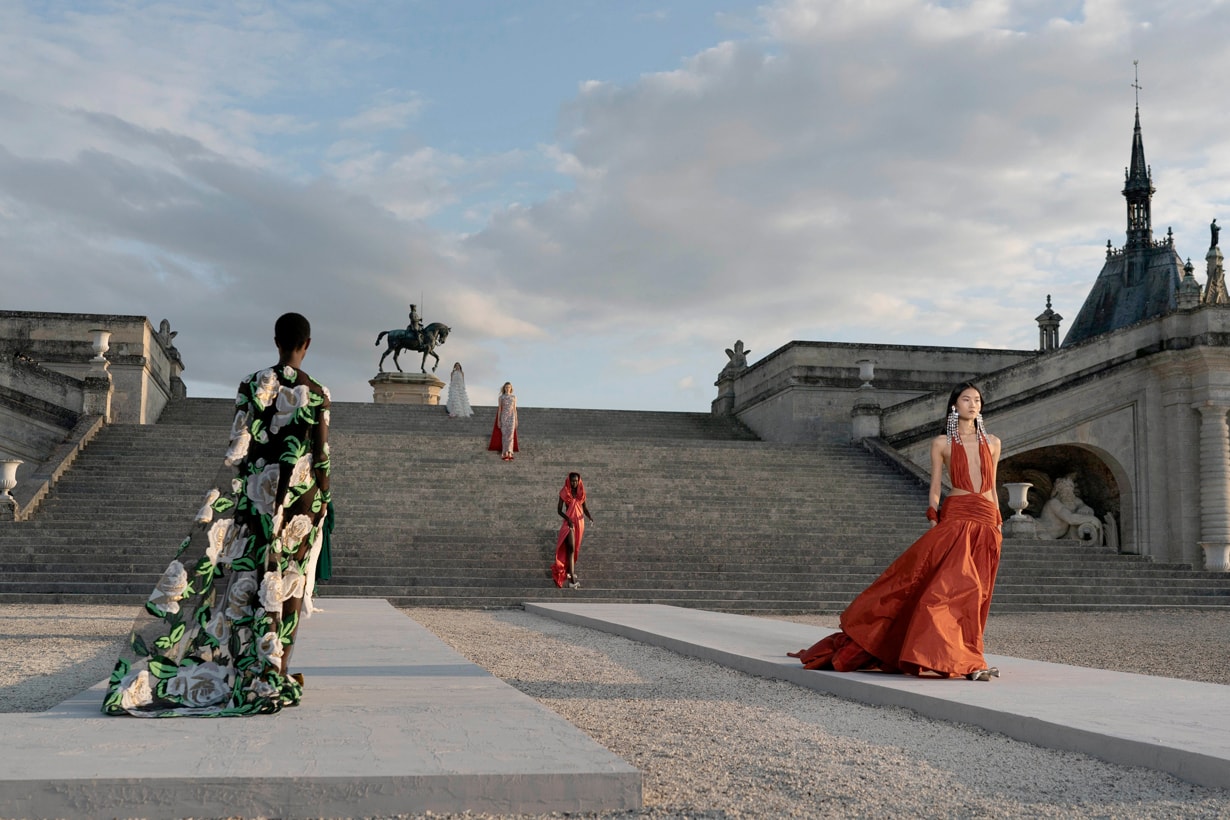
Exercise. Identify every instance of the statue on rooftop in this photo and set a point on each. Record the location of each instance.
(737, 360)
(1214, 229)
(165, 335)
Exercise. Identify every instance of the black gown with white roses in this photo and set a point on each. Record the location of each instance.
(214, 633)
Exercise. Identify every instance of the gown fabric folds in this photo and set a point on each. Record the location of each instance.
(574, 509)
(928, 610)
(212, 636)
(458, 400)
(505, 424)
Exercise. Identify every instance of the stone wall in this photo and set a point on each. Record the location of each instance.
(1131, 399)
(144, 367)
(1139, 414)
(45, 359)
(807, 389)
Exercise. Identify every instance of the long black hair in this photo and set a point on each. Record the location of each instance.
(956, 394)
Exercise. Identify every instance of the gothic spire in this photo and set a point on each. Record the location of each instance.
(1138, 189)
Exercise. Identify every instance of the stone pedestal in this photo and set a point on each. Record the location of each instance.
(724, 404)
(865, 416)
(406, 388)
(1023, 527)
(96, 393)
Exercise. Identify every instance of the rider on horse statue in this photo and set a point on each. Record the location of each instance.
(416, 324)
(414, 337)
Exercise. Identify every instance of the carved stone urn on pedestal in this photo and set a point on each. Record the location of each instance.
(101, 339)
(8, 480)
(1019, 525)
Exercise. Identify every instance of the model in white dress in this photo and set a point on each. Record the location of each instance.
(458, 402)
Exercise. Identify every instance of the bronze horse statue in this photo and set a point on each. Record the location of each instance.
(424, 340)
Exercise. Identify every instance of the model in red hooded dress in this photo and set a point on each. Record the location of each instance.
(926, 613)
(574, 511)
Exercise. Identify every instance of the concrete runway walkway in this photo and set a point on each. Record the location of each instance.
(392, 722)
(1174, 726)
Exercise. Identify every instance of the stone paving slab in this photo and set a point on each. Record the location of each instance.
(1174, 726)
(392, 721)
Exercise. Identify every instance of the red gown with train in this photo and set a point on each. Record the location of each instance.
(927, 611)
(574, 512)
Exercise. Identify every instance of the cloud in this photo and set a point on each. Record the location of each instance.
(393, 110)
(904, 172)
(875, 156)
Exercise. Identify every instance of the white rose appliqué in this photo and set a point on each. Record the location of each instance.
(290, 399)
(202, 684)
(170, 588)
(262, 489)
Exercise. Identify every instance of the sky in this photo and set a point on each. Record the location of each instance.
(597, 196)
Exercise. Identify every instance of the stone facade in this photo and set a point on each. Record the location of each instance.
(1135, 402)
(807, 389)
(50, 379)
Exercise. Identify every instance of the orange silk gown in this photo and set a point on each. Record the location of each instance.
(926, 613)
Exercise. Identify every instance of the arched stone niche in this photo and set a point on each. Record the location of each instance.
(1095, 482)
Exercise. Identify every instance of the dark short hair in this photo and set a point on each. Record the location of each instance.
(570, 475)
(291, 331)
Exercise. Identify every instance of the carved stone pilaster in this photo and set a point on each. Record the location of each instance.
(1214, 483)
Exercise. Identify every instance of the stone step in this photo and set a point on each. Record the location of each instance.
(692, 510)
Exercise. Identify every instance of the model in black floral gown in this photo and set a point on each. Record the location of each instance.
(216, 635)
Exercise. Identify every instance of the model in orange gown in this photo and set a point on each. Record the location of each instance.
(926, 613)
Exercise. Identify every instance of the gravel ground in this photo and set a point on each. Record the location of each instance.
(713, 743)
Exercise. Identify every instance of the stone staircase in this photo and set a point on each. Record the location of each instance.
(690, 510)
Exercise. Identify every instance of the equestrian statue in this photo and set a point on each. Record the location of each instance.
(414, 337)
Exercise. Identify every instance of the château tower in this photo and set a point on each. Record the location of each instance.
(1140, 280)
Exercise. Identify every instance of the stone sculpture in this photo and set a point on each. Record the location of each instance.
(424, 340)
(1066, 516)
(738, 360)
(165, 335)
(1111, 531)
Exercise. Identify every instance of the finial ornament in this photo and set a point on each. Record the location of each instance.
(1136, 82)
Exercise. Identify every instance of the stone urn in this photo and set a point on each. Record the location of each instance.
(1019, 525)
(866, 371)
(8, 476)
(1216, 556)
(101, 339)
(1018, 497)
